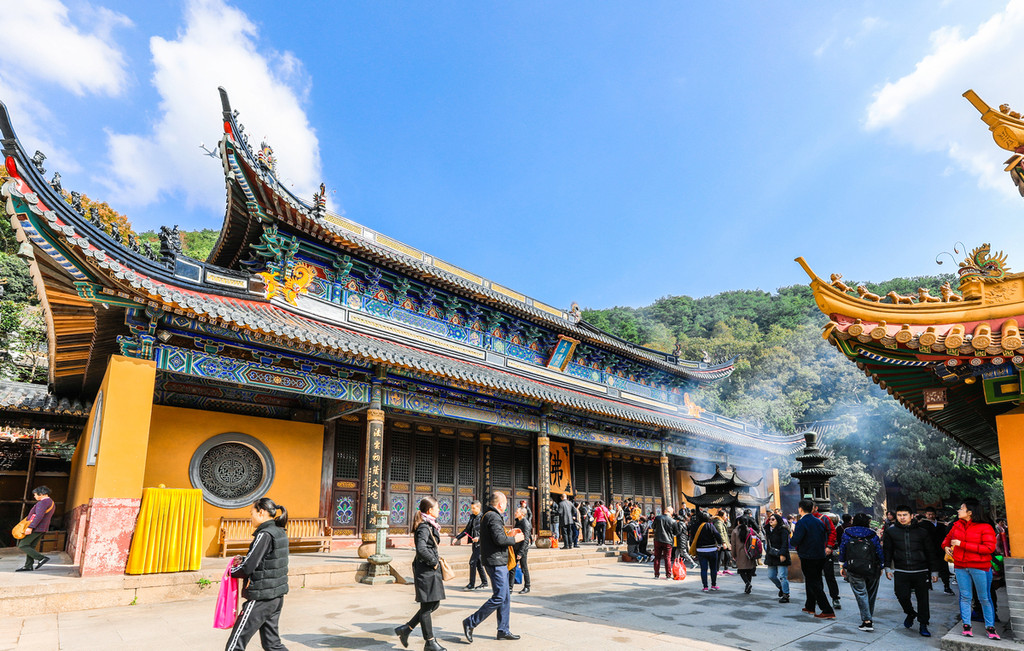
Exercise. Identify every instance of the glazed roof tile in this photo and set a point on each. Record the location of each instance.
(36, 398)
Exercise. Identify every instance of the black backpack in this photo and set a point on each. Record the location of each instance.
(861, 557)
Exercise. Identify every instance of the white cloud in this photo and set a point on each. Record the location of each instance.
(925, 108)
(864, 28)
(35, 124)
(216, 47)
(40, 42)
(825, 45)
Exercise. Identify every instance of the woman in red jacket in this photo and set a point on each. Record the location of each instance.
(972, 542)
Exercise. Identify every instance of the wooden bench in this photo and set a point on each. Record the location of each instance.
(304, 535)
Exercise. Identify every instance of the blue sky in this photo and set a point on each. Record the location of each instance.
(606, 154)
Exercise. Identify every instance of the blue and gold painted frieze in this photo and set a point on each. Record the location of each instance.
(576, 433)
(247, 373)
(442, 408)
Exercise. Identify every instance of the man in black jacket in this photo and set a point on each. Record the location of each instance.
(585, 522)
(494, 544)
(664, 538)
(567, 516)
(472, 533)
(909, 550)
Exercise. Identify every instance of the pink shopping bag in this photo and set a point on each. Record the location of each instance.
(227, 601)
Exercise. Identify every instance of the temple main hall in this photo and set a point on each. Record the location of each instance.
(336, 369)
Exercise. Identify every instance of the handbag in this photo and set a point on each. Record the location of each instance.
(518, 578)
(226, 610)
(447, 573)
(949, 555)
(18, 532)
(693, 543)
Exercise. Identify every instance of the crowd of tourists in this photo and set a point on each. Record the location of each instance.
(912, 551)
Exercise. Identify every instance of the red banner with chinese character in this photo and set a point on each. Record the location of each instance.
(561, 478)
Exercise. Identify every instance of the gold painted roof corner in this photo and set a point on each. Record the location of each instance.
(1006, 126)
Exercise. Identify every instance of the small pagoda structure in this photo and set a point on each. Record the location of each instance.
(727, 490)
(813, 475)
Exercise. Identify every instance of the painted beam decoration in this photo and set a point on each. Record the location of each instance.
(593, 436)
(214, 367)
(421, 404)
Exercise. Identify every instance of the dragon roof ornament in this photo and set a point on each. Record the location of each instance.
(983, 265)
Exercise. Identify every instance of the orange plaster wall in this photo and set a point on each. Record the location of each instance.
(297, 449)
(1010, 427)
(685, 484)
(127, 389)
(771, 483)
(83, 477)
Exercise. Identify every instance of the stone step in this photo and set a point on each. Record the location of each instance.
(57, 588)
(538, 561)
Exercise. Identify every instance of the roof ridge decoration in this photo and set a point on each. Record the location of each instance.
(346, 232)
(1007, 127)
(988, 293)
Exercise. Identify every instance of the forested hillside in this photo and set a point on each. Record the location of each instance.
(787, 377)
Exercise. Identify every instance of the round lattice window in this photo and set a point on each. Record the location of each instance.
(234, 470)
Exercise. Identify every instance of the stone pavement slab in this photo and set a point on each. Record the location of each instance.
(617, 606)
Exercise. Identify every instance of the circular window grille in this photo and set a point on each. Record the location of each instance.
(233, 470)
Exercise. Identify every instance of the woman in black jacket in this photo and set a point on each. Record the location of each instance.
(522, 549)
(707, 541)
(265, 570)
(426, 571)
(776, 556)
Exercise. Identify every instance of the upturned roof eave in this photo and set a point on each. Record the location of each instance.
(300, 214)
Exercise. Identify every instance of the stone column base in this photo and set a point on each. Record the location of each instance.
(1014, 569)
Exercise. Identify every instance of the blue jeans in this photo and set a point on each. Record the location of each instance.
(982, 582)
(708, 561)
(779, 575)
(501, 599)
(865, 589)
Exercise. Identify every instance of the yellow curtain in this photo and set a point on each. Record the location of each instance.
(169, 532)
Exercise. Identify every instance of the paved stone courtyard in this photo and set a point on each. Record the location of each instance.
(616, 606)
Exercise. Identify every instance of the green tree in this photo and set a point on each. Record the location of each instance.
(853, 488)
(16, 280)
(194, 244)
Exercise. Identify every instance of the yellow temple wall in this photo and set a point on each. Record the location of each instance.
(297, 450)
(684, 485)
(1010, 428)
(124, 414)
(771, 483)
